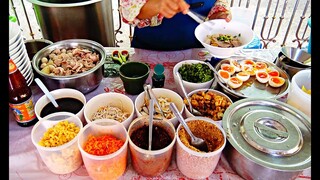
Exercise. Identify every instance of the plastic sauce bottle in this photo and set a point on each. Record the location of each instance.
(20, 97)
(158, 77)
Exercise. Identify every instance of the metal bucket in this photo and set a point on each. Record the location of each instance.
(76, 19)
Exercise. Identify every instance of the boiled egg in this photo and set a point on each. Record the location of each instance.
(224, 75)
(250, 69)
(249, 62)
(234, 82)
(243, 75)
(276, 81)
(273, 72)
(235, 64)
(229, 68)
(262, 76)
(261, 65)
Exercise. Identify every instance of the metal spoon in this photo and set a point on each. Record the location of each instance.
(197, 142)
(192, 110)
(46, 92)
(151, 109)
(197, 17)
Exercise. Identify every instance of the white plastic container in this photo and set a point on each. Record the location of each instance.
(111, 99)
(296, 96)
(110, 166)
(151, 163)
(193, 164)
(61, 93)
(62, 159)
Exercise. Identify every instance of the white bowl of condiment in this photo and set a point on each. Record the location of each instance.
(110, 105)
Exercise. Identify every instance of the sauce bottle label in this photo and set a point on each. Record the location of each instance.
(12, 66)
(24, 112)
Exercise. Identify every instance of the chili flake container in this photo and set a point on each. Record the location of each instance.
(268, 139)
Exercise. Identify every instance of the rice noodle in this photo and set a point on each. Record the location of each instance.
(110, 112)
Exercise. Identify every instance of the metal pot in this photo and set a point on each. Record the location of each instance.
(35, 45)
(268, 139)
(76, 19)
(292, 60)
(85, 81)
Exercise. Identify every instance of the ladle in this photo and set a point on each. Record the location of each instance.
(197, 142)
(192, 110)
(46, 92)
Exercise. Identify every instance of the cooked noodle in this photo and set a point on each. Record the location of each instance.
(110, 112)
(223, 40)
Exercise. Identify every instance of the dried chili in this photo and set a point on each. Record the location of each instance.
(102, 145)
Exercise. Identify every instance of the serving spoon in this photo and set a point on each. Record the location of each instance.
(192, 110)
(197, 142)
(47, 93)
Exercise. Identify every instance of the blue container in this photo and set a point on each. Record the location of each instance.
(309, 45)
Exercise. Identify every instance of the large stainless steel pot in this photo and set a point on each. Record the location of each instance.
(86, 81)
(268, 139)
(292, 60)
(76, 19)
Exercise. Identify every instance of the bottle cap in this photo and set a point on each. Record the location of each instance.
(159, 69)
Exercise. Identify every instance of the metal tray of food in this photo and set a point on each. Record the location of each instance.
(252, 88)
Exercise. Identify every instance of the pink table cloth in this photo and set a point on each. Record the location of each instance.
(25, 161)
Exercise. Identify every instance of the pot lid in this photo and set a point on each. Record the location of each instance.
(270, 133)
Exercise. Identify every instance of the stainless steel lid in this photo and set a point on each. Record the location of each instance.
(269, 132)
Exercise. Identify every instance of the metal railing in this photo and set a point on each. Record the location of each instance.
(275, 22)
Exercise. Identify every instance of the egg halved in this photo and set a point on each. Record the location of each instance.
(262, 76)
(229, 68)
(224, 75)
(248, 62)
(235, 64)
(261, 65)
(243, 75)
(250, 69)
(234, 82)
(273, 72)
(276, 81)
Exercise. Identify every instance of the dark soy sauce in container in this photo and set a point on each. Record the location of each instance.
(71, 105)
(160, 137)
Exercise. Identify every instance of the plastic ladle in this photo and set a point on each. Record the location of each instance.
(46, 92)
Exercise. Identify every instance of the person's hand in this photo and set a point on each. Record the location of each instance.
(169, 8)
(220, 12)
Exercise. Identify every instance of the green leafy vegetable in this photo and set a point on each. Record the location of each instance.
(196, 72)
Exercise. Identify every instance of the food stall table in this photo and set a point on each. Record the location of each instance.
(26, 163)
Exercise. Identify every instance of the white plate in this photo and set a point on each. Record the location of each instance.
(18, 42)
(14, 32)
(16, 50)
(30, 80)
(19, 56)
(27, 66)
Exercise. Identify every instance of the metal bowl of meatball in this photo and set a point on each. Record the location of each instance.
(72, 63)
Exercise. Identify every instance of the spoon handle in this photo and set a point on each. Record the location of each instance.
(151, 109)
(181, 119)
(45, 90)
(195, 17)
(184, 90)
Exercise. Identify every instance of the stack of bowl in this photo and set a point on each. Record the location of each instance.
(18, 52)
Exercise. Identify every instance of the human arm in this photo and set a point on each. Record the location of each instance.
(142, 13)
(220, 10)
